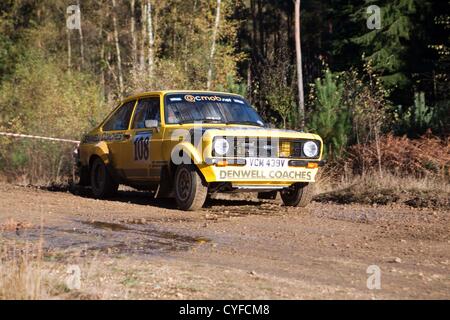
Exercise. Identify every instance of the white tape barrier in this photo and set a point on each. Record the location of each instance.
(18, 135)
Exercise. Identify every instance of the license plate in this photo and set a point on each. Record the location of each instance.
(267, 163)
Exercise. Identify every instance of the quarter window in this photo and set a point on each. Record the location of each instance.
(147, 109)
(121, 118)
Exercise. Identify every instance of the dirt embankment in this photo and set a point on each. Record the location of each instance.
(137, 247)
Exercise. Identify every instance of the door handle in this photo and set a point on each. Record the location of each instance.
(126, 136)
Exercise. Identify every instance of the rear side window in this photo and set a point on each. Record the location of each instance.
(121, 118)
(147, 109)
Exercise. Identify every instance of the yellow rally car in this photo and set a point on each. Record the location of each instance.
(188, 144)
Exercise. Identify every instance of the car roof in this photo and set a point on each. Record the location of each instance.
(164, 92)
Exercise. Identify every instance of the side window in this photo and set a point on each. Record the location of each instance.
(120, 119)
(147, 109)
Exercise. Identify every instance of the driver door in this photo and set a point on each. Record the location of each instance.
(144, 146)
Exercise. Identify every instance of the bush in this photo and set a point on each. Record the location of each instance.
(41, 98)
(277, 88)
(427, 156)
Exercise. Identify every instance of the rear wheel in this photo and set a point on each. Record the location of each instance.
(297, 195)
(103, 185)
(190, 193)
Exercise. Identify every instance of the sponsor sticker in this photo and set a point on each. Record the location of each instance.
(141, 146)
(261, 174)
(199, 98)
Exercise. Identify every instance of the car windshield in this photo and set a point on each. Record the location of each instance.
(210, 108)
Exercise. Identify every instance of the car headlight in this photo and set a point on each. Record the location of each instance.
(310, 149)
(221, 146)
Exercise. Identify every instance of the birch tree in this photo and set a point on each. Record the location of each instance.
(69, 50)
(143, 36)
(213, 45)
(151, 39)
(133, 36)
(102, 58)
(298, 51)
(80, 32)
(117, 45)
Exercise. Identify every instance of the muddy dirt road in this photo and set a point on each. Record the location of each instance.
(137, 247)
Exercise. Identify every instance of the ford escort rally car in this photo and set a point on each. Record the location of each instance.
(190, 144)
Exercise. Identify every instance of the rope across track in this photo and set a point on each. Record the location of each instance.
(19, 135)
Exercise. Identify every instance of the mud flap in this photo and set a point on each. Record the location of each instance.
(165, 188)
(271, 195)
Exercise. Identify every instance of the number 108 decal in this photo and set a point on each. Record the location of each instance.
(141, 147)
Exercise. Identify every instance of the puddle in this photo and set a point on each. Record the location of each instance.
(106, 225)
(111, 238)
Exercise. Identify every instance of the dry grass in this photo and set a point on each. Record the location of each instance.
(385, 188)
(21, 275)
(388, 180)
(27, 273)
(397, 170)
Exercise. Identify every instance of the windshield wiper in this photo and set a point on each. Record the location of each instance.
(252, 123)
(200, 120)
(211, 120)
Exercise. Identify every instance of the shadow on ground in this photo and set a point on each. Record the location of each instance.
(146, 198)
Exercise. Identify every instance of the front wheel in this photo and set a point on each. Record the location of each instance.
(297, 195)
(103, 185)
(190, 193)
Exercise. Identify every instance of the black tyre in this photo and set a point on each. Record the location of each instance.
(190, 192)
(297, 195)
(103, 185)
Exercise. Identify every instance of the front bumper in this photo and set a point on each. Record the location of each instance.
(244, 171)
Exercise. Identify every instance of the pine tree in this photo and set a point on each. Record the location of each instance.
(330, 119)
(387, 47)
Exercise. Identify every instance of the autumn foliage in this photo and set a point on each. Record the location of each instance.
(427, 156)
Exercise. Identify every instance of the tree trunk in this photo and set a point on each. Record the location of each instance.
(254, 62)
(143, 36)
(108, 65)
(298, 50)
(69, 51)
(133, 37)
(80, 32)
(213, 45)
(190, 34)
(377, 144)
(102, 60)
(261, 28)
(254, 26)
(249, 82)
(116, 42)
(151, 40)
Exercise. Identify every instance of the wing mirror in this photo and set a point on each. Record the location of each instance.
(151, 124)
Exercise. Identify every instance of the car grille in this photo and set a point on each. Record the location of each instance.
(243, 147)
